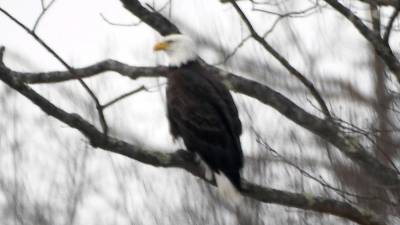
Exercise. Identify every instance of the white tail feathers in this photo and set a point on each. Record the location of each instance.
(227, 190)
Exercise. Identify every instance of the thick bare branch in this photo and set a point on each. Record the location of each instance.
(183, 159)
(153, 19)
(95, 69)
(393, 3)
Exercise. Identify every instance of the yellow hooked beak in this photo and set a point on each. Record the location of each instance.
(160, 46)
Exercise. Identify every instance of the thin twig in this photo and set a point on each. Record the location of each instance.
(42, 4)
(242, 42)
(285, 15)
(283, 61)
(160, 9)
(322, 181)
(124, 96)
(388, 30)
(120, 24)
(102, 119)
(300, 13)
(233, 52)
(319, 180)
(274, 24)
(44, 10)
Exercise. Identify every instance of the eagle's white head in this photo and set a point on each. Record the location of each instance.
(179, 48)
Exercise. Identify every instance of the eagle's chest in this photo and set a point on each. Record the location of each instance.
(183, 92)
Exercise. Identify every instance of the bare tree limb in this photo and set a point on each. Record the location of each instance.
(280, 17)
(100, 67)
(300, 13)
(386, 35)
(119, 98)
(383, 50)
(393, 3)
(283, 61)
(102, 118)
(185, 160)
(233, 52)
(348, 145)
(153, 19)
(378, 2)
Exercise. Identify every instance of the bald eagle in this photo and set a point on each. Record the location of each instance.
(202, 112)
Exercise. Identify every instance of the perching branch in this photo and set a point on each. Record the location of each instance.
(183, 159)
(308, 84)
(95, 69)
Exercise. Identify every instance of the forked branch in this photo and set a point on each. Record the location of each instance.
(307, 83)
(99, 109)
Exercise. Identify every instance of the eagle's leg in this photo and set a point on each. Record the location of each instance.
(208, 173)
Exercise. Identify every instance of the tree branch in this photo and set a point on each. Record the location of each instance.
(308, 84)
(378, 2)
(102, 118)
(382, 49)
(44, 10)
(386, 36)
(183, 159)
(393, 3)
(119, 98)
(95, 69)
(119, 24)
(153, 19)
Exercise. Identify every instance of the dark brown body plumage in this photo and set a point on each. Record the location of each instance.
(201, 111)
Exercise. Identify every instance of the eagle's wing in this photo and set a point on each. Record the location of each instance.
(201, 120)
(203, 112)
(224, 94)
(204, 132)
